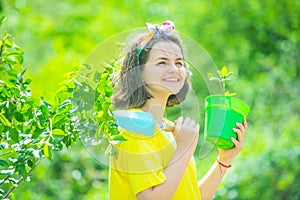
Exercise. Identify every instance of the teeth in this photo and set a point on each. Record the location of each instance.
(171, 79)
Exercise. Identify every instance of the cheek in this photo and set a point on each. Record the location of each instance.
(182, 72)
(148, 74)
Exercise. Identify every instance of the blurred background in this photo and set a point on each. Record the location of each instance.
(258, 40)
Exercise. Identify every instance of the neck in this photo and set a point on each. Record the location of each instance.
(156, 106)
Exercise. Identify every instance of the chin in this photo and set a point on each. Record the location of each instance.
(174, 90)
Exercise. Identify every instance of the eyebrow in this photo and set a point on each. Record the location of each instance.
(164, 58)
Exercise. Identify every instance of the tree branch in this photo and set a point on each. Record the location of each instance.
(19, 181)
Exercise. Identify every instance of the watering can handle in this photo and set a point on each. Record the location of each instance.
(169, 128)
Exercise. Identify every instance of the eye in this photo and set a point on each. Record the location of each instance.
(179, 64)
(162, 63)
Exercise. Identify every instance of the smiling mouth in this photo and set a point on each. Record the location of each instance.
(171, 80)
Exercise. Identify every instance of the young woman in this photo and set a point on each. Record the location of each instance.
(154, 76)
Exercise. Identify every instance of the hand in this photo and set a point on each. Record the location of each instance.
(186, 133)
(226, 155)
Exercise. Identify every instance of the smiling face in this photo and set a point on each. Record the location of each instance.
(164, 72)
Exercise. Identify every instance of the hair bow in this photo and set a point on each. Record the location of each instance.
(166, 28)
(155, 30)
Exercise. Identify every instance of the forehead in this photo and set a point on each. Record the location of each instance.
(165, 49)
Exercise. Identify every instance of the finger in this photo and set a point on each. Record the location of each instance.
(196, 132)
(236, 143)
(241, 127)
(196, 125)
(239, 134)
(245, 124)
(178, 124)
(197, 128)
(187, 121)
(179, 120)
(192, 123)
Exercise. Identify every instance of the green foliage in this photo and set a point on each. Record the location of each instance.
(94, 106)
(31, 130)
(72, 174)
(274, 171)
(103, 105)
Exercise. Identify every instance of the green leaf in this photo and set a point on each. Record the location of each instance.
(15, 57)
(21, 74)
(4, 120)
(3, 163)
(68, 141)
(14, 134)
(3, 146)
(22, 170)
(13, 180)
(229, 74)
(31, 163)
(7, 172)
(229, 94)
(19, 117)
(21, 157)
(27, 81)
(118, 139)
(45, 103)
(2, 20)
(210, 75)
(65, 103)
(6, 36)
(214, 79)
(44, 110)
(37, 133)
(58, 119)
(12, 72)
(58, 132)
(47, 152)
(224, 71)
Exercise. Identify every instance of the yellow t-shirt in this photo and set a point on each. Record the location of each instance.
(140, 164)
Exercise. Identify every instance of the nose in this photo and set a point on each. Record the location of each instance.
(173, 68)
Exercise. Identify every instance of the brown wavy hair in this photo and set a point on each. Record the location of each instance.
(129, 88)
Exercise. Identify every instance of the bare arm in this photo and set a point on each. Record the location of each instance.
(186, 135)
(208, 185)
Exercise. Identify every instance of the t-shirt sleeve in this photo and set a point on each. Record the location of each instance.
(142, 159)
(140, 182)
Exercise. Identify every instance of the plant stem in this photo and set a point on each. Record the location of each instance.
(5, 179)
(19, 181)
(14, 171)
(224, 87)
(5, 153)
